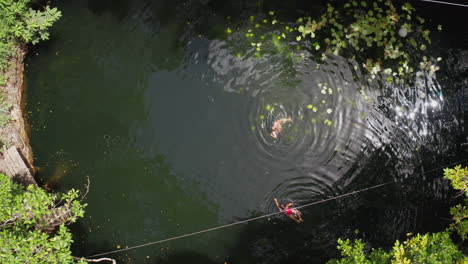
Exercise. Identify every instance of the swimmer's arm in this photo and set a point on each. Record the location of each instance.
(284, 120)
(277, 204)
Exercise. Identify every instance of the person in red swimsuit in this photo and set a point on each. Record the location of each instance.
(293, 213)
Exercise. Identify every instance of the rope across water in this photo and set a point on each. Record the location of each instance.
(445, 3)
(266, 215)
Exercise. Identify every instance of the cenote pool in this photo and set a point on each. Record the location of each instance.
(151, 101)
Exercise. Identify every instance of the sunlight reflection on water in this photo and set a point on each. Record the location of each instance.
(337, 116)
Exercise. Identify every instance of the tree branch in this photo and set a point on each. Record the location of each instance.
(97, 260)
(87, 189)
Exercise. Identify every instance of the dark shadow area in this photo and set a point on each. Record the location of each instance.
(83, 246)
(280, 240)
(184, 257)
(118, 8)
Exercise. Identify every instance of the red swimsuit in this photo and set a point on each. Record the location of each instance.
(289, 211)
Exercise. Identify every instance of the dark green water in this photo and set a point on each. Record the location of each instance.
(148, 100)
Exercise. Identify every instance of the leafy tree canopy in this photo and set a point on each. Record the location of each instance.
(435, 248)
(29, 218)
(19, 22)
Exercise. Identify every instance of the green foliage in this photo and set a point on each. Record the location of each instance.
(376, 34)
(26, 215)
(353, 252)
(19, 22)
(4, 111)
(460, 215)
(458, 177)
(435, 248)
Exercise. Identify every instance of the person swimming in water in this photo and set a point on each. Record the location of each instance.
(293, 213)
(278, 126)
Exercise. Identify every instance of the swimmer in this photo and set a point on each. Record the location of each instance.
(278, 126)
(293, 213)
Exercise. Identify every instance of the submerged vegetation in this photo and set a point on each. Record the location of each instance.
(33, 224)
(436, 248)
(379, 36)
(384, 41)
(21, 23)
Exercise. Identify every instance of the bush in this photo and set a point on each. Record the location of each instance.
(435, 248)
(458, 177)
(29, 218)
(19, 22)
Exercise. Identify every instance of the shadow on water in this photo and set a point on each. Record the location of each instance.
(119, 8)
(185, 257)
(83, 246)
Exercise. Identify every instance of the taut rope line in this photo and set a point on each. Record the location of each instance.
(267, 215)
(444, 3)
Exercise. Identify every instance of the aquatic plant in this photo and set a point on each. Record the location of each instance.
(378, 35)
(20, 23)
(379, 32)
(33, 224)
(386, 41)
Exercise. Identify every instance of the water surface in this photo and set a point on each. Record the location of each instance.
(151, 102)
